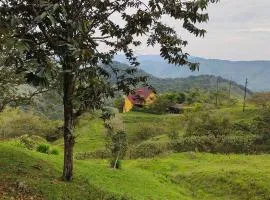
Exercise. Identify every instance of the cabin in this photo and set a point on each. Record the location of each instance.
(139, 98)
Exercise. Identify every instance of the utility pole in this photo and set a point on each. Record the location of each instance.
(217, 91)
(230, 88)
(245, 95)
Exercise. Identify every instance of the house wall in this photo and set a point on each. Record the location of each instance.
(150, 99)
(127, 105)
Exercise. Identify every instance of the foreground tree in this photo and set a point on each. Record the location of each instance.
(13, 87)
(82, 37)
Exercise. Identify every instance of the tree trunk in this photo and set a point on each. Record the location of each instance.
(69, 139)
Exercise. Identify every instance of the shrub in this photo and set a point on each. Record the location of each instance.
(195, 143)
(261, 123)
(149, 150)
(54, 151)
(223, 144)
(147, 131)
(14, 123)
(174, 135)
(160, 106)
(207, 124)
(117, 164)
(27, 142)
(242, 126)
(43, 148)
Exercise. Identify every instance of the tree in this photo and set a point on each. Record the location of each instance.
(71, 33)
(13, 87)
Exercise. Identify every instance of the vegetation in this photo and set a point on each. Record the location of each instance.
(14, 123)
(116, 140)
(261, 98)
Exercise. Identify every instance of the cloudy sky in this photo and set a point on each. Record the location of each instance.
(237, 30)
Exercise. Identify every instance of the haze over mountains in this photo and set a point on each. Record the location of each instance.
(257, 72)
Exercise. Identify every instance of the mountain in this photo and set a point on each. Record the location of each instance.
(257, 72)
(204, 82)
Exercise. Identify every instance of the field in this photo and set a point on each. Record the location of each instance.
(28, 174)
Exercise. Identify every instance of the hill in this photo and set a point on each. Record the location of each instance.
(256, 71)
(204, 82)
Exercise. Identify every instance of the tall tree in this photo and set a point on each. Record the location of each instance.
(81, 36)
(13, 87)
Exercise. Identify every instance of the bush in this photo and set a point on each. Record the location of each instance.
(117, 164)
(225, 144)
(54, 151)
(207, 124)
(149, 150)
(147, 131)
(242, 126)
(30, 142)
(160, 106)
(43, 148)
(195, 143)
(261, 123)
(174, 135)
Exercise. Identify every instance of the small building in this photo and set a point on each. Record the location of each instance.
(141, 97)
(176, 108)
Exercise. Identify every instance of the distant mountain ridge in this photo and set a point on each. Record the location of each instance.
(204, 82)
(257, 72)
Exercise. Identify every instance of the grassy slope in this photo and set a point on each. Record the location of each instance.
(176, 176)
(38, 174)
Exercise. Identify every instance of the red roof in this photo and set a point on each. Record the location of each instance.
(140, 95)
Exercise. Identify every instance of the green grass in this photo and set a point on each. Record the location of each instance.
(177, 176)
(163, 123)
(90, 135)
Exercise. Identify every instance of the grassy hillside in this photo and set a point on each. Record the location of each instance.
(178, 176)
(27, 174)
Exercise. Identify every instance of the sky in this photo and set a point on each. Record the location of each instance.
(237, 30)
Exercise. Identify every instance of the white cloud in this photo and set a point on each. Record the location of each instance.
(237, 30)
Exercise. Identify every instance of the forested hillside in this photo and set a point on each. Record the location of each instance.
(256, 71)
(204, 82)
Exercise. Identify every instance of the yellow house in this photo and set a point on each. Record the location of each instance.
(141, 96)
